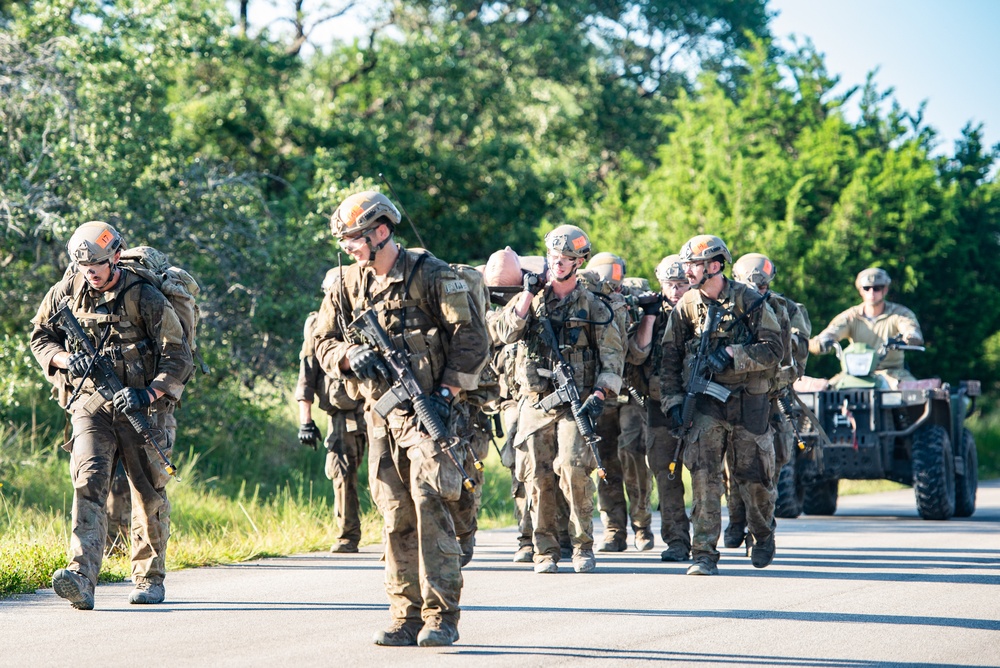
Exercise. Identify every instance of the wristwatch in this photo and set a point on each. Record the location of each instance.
(448, 395)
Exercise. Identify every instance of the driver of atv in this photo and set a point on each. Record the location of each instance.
(874, 322)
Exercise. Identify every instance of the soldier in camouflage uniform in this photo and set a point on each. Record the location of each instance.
(758, 271)
(874, 322)
(345, 440)
(744, 356)
(661, 444)
(592, 345)
(133, 324)
(428, 312)
(620, 426)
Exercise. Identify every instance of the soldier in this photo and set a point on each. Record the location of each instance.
(661, 444)
(131, 322)
(744, 353)
(591, 344)
(620, 428)
(758, 272)
(427, 310)
(345, 441)
(874, 321)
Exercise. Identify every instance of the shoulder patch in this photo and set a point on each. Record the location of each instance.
(455, 286)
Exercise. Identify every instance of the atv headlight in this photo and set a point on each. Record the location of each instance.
(891, 399)
(859, 364)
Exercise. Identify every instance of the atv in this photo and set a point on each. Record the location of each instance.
(857, 426)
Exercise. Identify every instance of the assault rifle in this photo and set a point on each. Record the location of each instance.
(785, 409)
(102, 371)
(700, 383)
(404, 387)
(567, 393)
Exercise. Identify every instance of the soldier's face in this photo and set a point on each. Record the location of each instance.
(872, 294)
(694, 271)
(562, 267)
(674, 290)
(99, 276)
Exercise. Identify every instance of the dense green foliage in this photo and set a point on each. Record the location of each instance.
(644, 122)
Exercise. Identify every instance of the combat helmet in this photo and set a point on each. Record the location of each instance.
(569, 240)
(94, 242)
(671, 268)
(703, 248)
(754, 269)
(609, 269)
(873, 277)
(361, 212)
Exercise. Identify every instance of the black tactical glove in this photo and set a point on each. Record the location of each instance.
(365, 362)
(309, 434)
(593, 405)
(650, 303)
(77, 364)
(441, 406)
(533, 283)
(130, 400)
(825, 344)
(719, 360)
(894, 341)
(676, 417)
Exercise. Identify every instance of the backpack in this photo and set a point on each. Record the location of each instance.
(177, 285)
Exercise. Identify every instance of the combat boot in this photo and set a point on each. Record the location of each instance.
(613, 542)
(74, 587)
(643, 539)
(583, 560)
(735, 534)
(703, 567)
(675, 552)
(344, 546)
(762, 553)
(545, 564)
(524, 555)
(147, 592)
(402, 633)
(437, 632)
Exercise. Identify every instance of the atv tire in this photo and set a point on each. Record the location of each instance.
(966, 484)
(933, 473)
(820, 498)
(789, 503)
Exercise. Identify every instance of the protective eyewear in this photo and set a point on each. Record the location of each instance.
(876, 288)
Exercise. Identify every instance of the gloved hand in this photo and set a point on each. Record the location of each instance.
(532, 283)
(130, 400)
(894, 341)
(651, 303)
(77, 364)
(309, 434)
(719, 360)
(676, 417)
(441, 406)
(594, 405)
(825, 344)
(365, 362)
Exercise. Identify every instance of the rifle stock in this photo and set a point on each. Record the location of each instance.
(106, 381)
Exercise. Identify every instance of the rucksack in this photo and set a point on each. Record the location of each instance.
(177, 285)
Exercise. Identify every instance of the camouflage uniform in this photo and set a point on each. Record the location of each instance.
(894, 320)
(675, 527)
(785, 376)
(739, 428)
(119, 510)
(345, 440)
(427, 310)
(553, 442)
(148, 348)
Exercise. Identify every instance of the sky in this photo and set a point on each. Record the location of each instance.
(946, 52)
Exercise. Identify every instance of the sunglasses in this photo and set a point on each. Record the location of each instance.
(876, 288)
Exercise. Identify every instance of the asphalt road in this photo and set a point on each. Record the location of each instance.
(873, 585)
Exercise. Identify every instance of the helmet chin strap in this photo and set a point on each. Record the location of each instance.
(373, 250)
(706, 276)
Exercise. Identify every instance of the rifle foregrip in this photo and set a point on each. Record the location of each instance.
(429, 418)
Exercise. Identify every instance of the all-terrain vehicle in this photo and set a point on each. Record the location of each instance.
(855, 426)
